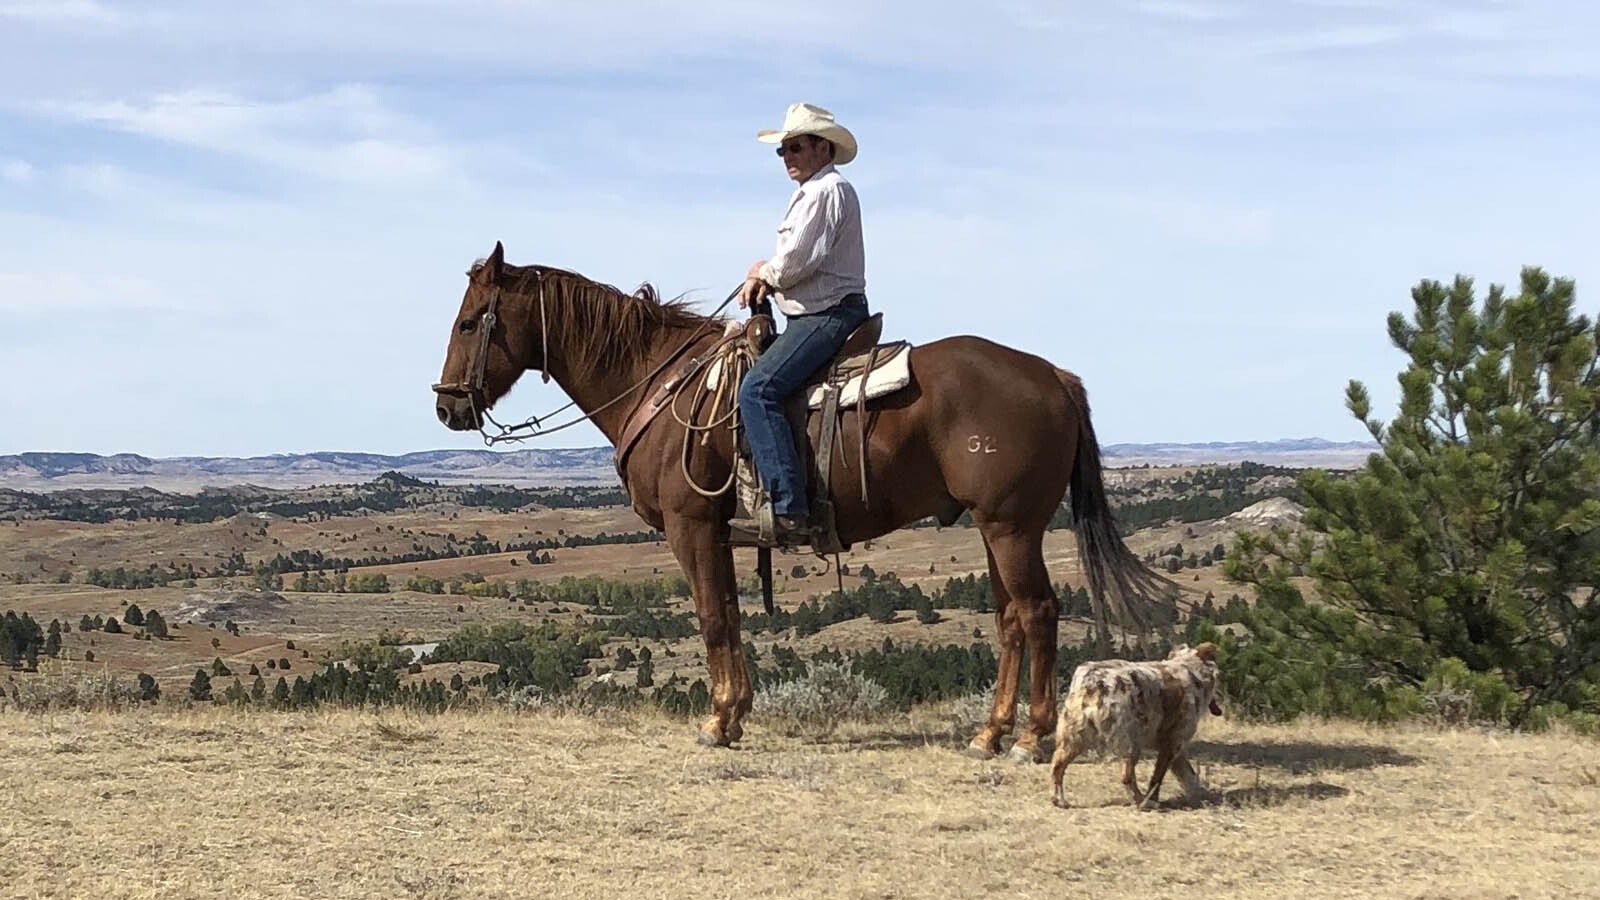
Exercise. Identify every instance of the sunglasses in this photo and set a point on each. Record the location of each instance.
(791, 147)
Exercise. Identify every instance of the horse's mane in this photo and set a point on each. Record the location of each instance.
(596, 325)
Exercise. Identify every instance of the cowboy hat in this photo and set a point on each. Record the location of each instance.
(803, 118)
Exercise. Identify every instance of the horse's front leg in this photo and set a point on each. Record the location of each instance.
(708, 565)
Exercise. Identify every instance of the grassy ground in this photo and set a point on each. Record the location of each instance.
(222, 803)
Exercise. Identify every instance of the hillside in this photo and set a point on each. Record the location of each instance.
(588, 466)
(491, 804)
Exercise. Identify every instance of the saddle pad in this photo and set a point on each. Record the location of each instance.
(887, 378)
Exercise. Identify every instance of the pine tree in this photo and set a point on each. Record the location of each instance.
(149, 690)
(154, 625)
(133, 616)
(200, 687)
(1475, 534)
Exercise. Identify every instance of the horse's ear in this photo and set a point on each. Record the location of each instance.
(486, 271)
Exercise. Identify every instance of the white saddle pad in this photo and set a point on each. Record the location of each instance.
(885, 379)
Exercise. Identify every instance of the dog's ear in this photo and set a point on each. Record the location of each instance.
(1207, 652)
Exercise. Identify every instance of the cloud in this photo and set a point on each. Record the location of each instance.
(46, 11)
(1191, 12)
(36, 292)
(343, 134)
(17, 171)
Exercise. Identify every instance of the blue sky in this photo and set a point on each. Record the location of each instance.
(236, 229)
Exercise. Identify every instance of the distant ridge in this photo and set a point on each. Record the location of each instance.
(1293, 452)
(589, 465)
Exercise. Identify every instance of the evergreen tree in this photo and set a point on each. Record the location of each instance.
(645, 675)
(149, 690)
(133, 616)
(200, 687)
(52, 640)
(154, 625)
(1475, 534)
(280, 693)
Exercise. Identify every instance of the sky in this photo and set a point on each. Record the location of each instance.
(240, 229)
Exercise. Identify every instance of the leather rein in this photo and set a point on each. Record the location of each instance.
(472, 389)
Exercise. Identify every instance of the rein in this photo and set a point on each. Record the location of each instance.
(533, 426)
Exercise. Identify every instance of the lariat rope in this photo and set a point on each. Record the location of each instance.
(534, 424)
(729, 367)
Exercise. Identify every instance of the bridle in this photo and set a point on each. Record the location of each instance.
(472, 388)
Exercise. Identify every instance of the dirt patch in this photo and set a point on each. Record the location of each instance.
(217, 607)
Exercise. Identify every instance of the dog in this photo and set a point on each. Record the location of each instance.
(1128, 708)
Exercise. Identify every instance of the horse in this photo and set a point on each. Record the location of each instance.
(982, 428)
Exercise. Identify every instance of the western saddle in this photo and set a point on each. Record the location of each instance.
(821, 402)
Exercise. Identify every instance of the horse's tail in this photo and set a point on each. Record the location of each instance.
(1121, 587)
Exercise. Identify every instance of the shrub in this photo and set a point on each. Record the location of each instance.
(828, 695)
(76, 690)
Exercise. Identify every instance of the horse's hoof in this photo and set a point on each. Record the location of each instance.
(1023, 755)
(707, 739)
(977, 751)
(1061, 802)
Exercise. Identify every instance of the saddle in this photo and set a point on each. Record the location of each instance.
(861, 370)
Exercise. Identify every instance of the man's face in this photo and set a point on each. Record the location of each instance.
(803, 156)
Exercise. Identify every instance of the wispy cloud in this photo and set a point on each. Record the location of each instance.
(17, 171)
(55, 291)
(46, 11)
(345, 134)
(1188, 11)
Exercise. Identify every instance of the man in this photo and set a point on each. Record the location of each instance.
(817, 278)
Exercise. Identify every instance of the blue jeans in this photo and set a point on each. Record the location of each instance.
(805, 346)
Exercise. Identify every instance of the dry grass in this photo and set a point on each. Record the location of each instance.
(176, 804)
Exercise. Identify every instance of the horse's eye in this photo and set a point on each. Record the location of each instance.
(468, 326)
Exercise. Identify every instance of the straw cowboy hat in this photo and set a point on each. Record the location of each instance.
(803, 118)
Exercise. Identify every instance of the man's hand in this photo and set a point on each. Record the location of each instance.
(754, 289)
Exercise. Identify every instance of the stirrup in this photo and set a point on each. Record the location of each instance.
(764, 530)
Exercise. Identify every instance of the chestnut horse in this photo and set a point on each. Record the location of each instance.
(982, 428)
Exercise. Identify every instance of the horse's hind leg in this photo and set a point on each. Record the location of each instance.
(1003, 714)
(1017, 567)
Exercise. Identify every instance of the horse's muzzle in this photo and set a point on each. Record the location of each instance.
(455, 412)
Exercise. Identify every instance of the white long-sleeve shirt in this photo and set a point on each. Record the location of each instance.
(820, 258)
